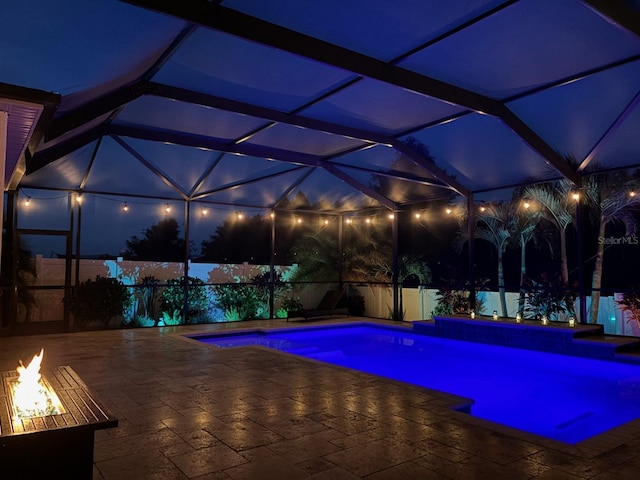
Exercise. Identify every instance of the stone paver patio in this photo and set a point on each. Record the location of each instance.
(187, 410)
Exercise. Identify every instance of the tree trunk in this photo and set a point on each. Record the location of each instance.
(563, 256)
(523, 273)
(503, 296)
(596, 282)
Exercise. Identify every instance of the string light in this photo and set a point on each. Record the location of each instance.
(417, 215)
(349, 221)
(167, 208)
(632, 193)
(526, 204)
(575, 195)
(483, 208)
(298, 220)
(368, 220)
(125, 207)
(79, 199)
(240, 215)
(448, 210)
(27, 201)
(204, 211)
(391, 216)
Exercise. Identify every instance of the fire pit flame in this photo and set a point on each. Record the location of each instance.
(31, 395)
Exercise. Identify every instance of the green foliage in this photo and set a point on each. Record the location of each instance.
(292, 304)
(282, 313)
(451, 301)
(148, 294)
(174, 319)
(100, 300)
(548, 299)
(244, 301)
(239, 299)
(140, 321)
(172, 299)
(630, 302)
(232, 315)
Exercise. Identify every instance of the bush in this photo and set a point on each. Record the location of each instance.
(172, 300)
(239, 301)
(244, 301)
(100, 300)
(451, 301)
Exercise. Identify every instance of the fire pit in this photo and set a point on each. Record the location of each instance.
(47, 423)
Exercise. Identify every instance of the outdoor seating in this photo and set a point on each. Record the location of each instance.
(327, 307)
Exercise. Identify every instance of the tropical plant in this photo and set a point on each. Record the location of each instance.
(239, 299)
(608, 194)
(494, 224)
(291, 304)
(525, 220)
(630, 302)
(316, 255)
(410, 266)
(545, 297)
(172, 299)
(558, 208)
(452, 301)
(100, 299)
(148, 294)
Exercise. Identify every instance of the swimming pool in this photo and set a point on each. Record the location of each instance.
(557, 396)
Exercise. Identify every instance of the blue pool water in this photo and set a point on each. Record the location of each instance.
(557, 396)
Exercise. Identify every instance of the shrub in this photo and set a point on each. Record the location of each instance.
(238, 299)
(100, 300)
(451, 301)
(630, 302)
(172, 300)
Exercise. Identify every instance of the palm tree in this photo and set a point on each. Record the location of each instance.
(409, 265)
(524, 223)
(559, 209)
(494, 224)
(610, 195)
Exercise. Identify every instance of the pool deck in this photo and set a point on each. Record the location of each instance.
(187, 410)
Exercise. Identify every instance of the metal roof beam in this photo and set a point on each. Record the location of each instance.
(348, 179)
(242, 25)
(620, 12)
(199, 141)
(431, 167)
(176, 93)
(94, 109)
(51, 154)
(239, 24)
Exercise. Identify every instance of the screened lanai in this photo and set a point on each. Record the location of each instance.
(355, 124)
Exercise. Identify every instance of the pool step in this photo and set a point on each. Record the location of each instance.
(605, 346)
(588, 341)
